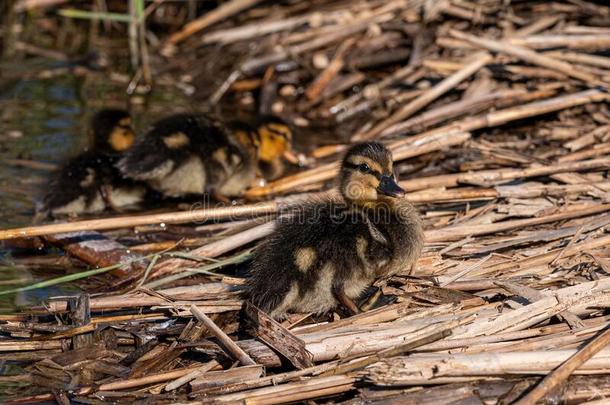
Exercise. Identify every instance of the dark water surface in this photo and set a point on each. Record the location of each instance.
(41, 121)
(45, 121)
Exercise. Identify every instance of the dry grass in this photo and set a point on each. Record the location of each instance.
(498, 119)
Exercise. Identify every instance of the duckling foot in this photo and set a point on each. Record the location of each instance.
(346, 301)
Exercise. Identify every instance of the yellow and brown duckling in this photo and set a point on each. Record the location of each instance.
(188, 154)
(90, 182)
(274, 139)
(328, 253)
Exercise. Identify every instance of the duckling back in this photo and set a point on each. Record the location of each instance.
(189, 154)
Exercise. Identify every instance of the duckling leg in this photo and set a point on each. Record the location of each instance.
(411, 269)
(345, 300)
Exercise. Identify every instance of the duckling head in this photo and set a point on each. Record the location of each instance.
(112, 131)
(275, 139)
(367, 176)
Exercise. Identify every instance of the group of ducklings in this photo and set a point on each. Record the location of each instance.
(323, 256)
(181, 155)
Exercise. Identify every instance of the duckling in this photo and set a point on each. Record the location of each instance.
(188, 154)
(89, 182)
(329, 252)
(275, 147)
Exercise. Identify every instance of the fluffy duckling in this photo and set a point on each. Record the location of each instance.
(329, 252)
(90, 182)
(189, 154)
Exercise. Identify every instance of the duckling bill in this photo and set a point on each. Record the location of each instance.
(329, 252)
(188, 154)
(90, 182)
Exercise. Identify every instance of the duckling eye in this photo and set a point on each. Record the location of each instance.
(364, 168)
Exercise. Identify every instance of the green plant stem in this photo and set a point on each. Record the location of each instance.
(72, 277)
(240, 258)
(92, 15)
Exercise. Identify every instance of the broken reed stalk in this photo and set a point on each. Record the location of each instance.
(533, 295)
(499, 176)
(354, 26)
(181, 217)
(572, 41)
(205, 292)
(478, 61)
(393, 351)
(185, 379)
(445, 133)
(585, 59)
(472, 105)
(258, 29)
(291, 392)
(504, 116)
(220, 13)
(141, 381)
(217, 248)
(417, 369)
(276, 378)
(134, 51)
(561, 373)
(457, 232)
(530, 56)
(226, 341)
(143, 45)
(277, 337)
(333, 68)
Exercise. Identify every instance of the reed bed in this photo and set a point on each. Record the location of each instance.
(497, 115)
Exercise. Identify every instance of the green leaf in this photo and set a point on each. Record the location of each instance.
(240, 258)
(90, 15)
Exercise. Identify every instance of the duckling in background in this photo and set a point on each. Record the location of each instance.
(189, 154)
(275, 147)
(329, 252)
(90, 182)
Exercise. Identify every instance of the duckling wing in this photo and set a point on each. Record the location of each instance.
(404, 232)
(146, 160)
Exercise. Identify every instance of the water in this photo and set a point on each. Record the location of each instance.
(46, 120)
